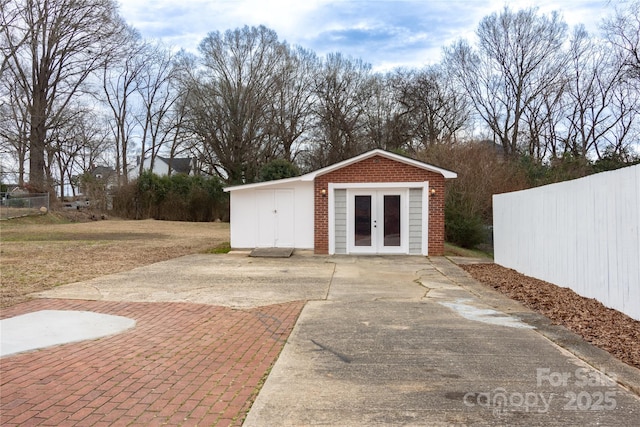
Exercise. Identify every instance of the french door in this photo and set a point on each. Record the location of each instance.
(377, 221)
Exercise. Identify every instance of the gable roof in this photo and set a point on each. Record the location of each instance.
(103, 170)
(377, 152)
(178, 164)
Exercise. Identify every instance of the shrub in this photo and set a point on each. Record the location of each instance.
(278, 169)
(612, 160)
(177, 197)
(463, 226)
(482, 172)
(125, 201)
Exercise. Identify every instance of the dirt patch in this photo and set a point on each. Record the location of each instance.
(41, 255)
(604, 327)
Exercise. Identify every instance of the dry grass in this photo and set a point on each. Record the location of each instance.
(39, 253)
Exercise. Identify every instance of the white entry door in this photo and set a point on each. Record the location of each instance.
(377, 221)
(275, 218)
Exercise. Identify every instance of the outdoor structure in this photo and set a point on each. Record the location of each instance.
(105, 175)
(583, 234)
(374, 203)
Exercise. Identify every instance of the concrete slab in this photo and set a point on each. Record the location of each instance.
(46, 328)
(231, 280)
(369, 278)
(462, 260)
(386, 349)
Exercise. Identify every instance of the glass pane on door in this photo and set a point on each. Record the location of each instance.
(391, 220)
(362, 228)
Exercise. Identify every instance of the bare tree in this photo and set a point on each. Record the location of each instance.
(229, 99)
(120, 80)
(623, 32)
(54, 45)
(343, 89)
(437, 111)
(65, 146)
(10, 47)
(14, 129)
(292, 103)
(385, 124)
(623, 139)
(544, 119)
(183, 121)
(157, 95)
(593, 95)
(181, 137)
(518, 58)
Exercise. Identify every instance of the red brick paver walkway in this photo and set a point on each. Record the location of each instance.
(183, 364)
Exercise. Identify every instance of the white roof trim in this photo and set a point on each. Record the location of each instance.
(264, 184)
(377, 152)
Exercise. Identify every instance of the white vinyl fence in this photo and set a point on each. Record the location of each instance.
(582, 234)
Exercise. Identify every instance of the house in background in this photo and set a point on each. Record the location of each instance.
(106, 175)
(162, 166)
(97, 190)
(375, 203)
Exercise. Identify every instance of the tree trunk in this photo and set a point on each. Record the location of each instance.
(37, 144)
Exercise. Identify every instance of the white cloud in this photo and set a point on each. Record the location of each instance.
(386, 33)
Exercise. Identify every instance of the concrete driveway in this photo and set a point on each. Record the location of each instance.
(405, 341)
(393, 341)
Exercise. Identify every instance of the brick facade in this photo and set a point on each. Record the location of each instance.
(380, 169)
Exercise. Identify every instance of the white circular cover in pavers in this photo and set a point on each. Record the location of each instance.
(46, 328)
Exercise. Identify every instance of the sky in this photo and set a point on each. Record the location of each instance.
(383, 33)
